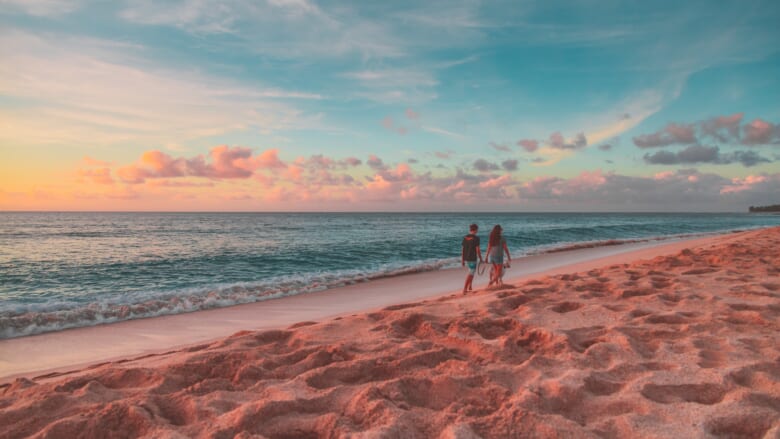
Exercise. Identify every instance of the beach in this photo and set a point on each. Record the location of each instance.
(662, 339)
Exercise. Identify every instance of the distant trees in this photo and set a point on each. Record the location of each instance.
(772, 208)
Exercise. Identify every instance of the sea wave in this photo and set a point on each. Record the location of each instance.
(580, 245)
(30, 319)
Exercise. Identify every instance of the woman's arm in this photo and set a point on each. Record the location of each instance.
(506, 249)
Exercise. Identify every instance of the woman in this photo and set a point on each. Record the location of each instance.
(495, 253)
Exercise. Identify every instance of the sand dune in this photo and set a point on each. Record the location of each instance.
(682, 345)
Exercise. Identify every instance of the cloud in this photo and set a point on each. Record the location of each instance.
(443, 154)
(632, 111)
(352, 161)
(226, 163)
(692, 154)
(671, 134)
(500, 147)
(268, 159)
(177, 184)
(441, 131)
(128, 100)
(760, 132)
(376, 163)
(319, 161)
(509, 165)
(483, 165)
(683, 190)
(747, 158)
(528, 144)
(723, 129)
(409, 85)
(390, 125)
(605, 147)
(715, 127)
(704, 154)
(744, 184)
(411, 114)
(558, 142)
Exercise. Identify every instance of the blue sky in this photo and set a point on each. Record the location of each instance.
(491, 105)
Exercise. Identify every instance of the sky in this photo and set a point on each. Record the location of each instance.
(462, 105)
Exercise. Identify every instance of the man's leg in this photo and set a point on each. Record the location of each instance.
(467, 285)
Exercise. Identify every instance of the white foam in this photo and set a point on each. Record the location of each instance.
(28, 319)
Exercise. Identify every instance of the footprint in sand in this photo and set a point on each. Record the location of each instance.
(508, 304)
(668, 319)
(637, 292)
(759, 375)
(713, 353)
(580, 339)
(705, 393)
(603, 383)
(565, 307)
(752, 425)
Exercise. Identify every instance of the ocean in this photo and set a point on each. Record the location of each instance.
(66, 270)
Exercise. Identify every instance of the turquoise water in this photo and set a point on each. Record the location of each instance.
(63, 270)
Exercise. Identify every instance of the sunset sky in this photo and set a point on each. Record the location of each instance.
(298, 105)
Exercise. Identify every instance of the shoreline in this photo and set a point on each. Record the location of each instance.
(49, 320)
(70, 351)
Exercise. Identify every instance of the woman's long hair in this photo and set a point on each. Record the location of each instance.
(495, 236)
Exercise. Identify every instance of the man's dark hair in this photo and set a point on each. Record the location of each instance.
(473, 227)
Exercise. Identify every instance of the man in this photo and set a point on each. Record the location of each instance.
(469, 253)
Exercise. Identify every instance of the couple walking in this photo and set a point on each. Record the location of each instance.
(495, 255)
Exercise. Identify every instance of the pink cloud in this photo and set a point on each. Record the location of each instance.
(713, 127)
(529, 145)
(375, 162)
(758, 132)
(294, 172)
(663, 175)
(671, 134)
(589, 179)
(236, 162)
(269, 159)
(681, 133)
(501, 181)
(226, 163)
(172, 183)
(743, 184)
(411, 114)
